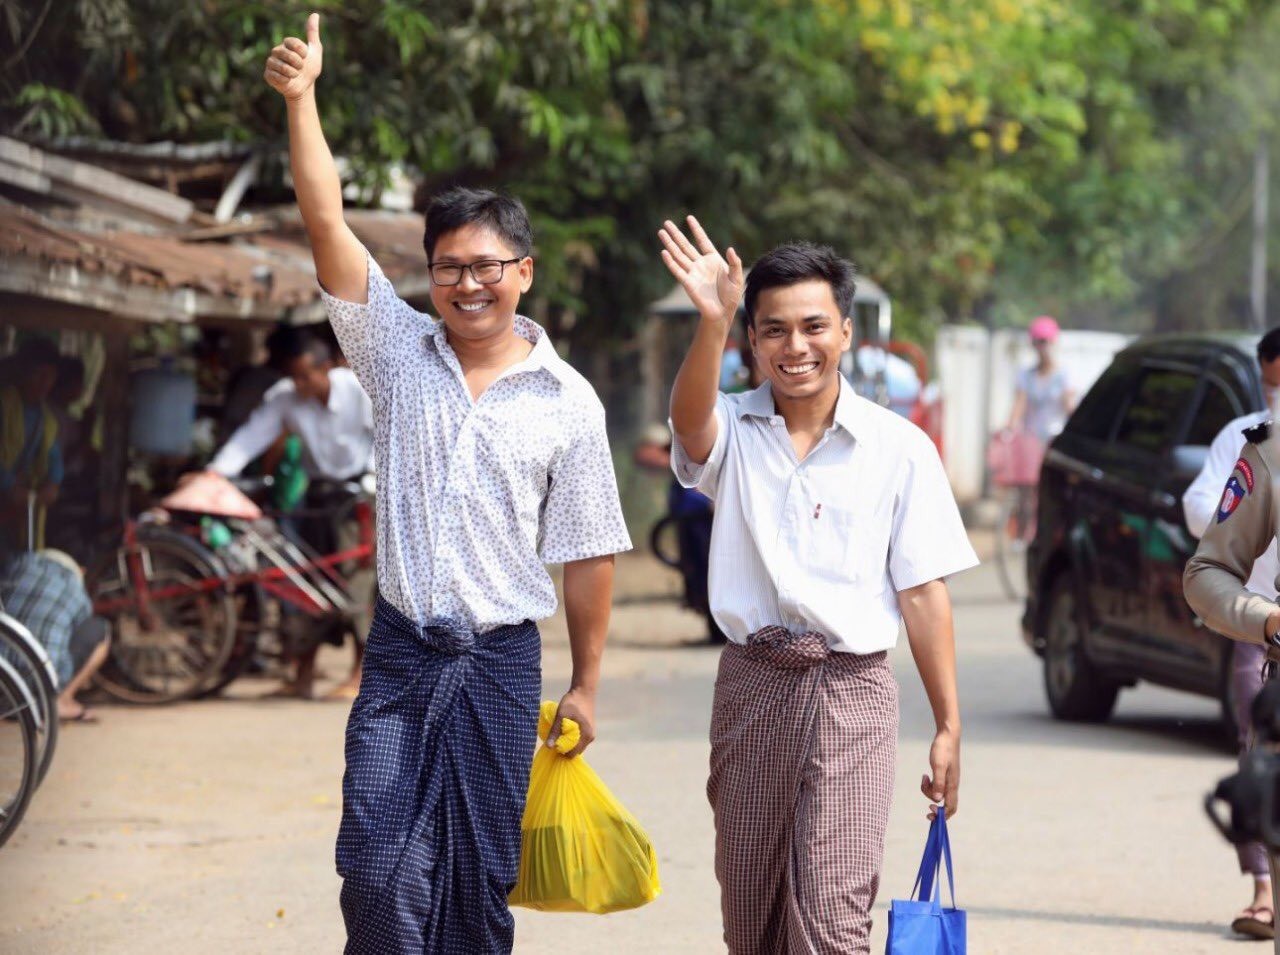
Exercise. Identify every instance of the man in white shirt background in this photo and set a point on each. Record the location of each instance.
(1200, 505)
(325, 406)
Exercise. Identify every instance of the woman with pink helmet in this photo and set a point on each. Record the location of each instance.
(1043, 398)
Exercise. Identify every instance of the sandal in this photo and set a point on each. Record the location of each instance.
(84, 715)
(1257, 922)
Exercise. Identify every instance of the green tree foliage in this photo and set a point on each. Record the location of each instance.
(987, 157)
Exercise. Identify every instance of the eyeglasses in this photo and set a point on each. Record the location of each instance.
(485, 272)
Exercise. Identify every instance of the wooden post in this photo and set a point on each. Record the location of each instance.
(113, 399)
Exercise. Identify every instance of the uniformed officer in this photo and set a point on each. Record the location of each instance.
(1244, 526)
(1246, 522)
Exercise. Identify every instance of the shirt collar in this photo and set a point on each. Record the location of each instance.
(544, 353)
(849, 411)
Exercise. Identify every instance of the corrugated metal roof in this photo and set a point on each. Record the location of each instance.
(271, 268)
(158, 261)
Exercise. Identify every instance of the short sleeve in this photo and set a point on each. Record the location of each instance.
(373, 334)
(703, 477)
(929, 541)
(582, 515)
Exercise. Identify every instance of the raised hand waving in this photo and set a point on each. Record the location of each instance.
(714, 284)
(293, 66)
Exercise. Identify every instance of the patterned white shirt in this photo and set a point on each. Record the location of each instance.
(826, 543)
(475, 497)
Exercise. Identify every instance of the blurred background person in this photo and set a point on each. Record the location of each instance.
(45, 592)
(30, 449)
(328, 411)
(1043, 399)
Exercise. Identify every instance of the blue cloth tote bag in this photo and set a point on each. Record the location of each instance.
(920, 925)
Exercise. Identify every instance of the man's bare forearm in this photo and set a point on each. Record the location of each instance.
(315, 175)
(340, 258)
(926, 610)
(714, 284)
(588, 594)
(693, 398)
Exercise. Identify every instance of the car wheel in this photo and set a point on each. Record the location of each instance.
(1075, 689)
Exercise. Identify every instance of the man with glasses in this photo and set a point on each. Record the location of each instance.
(492, 462)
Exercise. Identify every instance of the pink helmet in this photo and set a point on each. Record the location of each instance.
(1043, 329)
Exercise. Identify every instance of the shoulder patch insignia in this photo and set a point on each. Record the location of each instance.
(1258, 433)
(1232, 495)
(1246, 471)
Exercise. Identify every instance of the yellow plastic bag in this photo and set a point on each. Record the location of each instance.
(581, 851)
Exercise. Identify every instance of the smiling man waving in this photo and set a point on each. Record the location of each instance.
(834, 522)
(492, 462)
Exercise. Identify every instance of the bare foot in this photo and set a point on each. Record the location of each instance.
(343, 692)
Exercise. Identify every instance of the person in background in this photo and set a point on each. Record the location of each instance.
(45, 592)
(30, 450)
(1200, 504)
(693, 511)
(1043, 398)
(330, 413)
(250, 383)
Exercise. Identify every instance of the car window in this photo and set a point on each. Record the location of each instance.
(1096, 414)
(1217, 408)
(1155, 412)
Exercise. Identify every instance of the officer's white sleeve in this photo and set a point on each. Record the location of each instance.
(1200, 501)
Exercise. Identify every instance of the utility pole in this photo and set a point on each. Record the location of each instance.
(1258, 274)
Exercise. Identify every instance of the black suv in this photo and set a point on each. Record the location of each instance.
(1105, 568)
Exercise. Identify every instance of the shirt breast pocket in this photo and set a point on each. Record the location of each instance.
(847, 547)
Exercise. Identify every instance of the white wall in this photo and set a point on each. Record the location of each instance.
(976, 373)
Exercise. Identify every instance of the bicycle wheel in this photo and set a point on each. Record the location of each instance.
(180, 646)
(1011, 542)
(32, 662)
(19, 741)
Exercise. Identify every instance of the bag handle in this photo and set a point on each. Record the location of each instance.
(923, 888)
(937, 849)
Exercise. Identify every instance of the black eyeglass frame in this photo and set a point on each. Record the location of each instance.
(471, 267)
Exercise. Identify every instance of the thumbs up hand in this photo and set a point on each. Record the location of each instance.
(293, 66)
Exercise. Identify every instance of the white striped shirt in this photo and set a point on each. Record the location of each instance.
(826, 543)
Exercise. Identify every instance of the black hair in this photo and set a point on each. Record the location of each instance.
(287, 343)
(35, 352)
(70, 369)
(502, 215)
(798, 262)
(1269, 345)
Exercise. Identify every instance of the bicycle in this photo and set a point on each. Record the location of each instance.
(190, 601)
(19, 748)
(31, 662)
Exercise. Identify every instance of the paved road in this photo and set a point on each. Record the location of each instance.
(209, 827)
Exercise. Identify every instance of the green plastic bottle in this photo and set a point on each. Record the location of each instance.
(290, 485)
(215, 533)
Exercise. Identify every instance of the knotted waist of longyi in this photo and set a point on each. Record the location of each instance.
(784, 649)
(447, 637)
